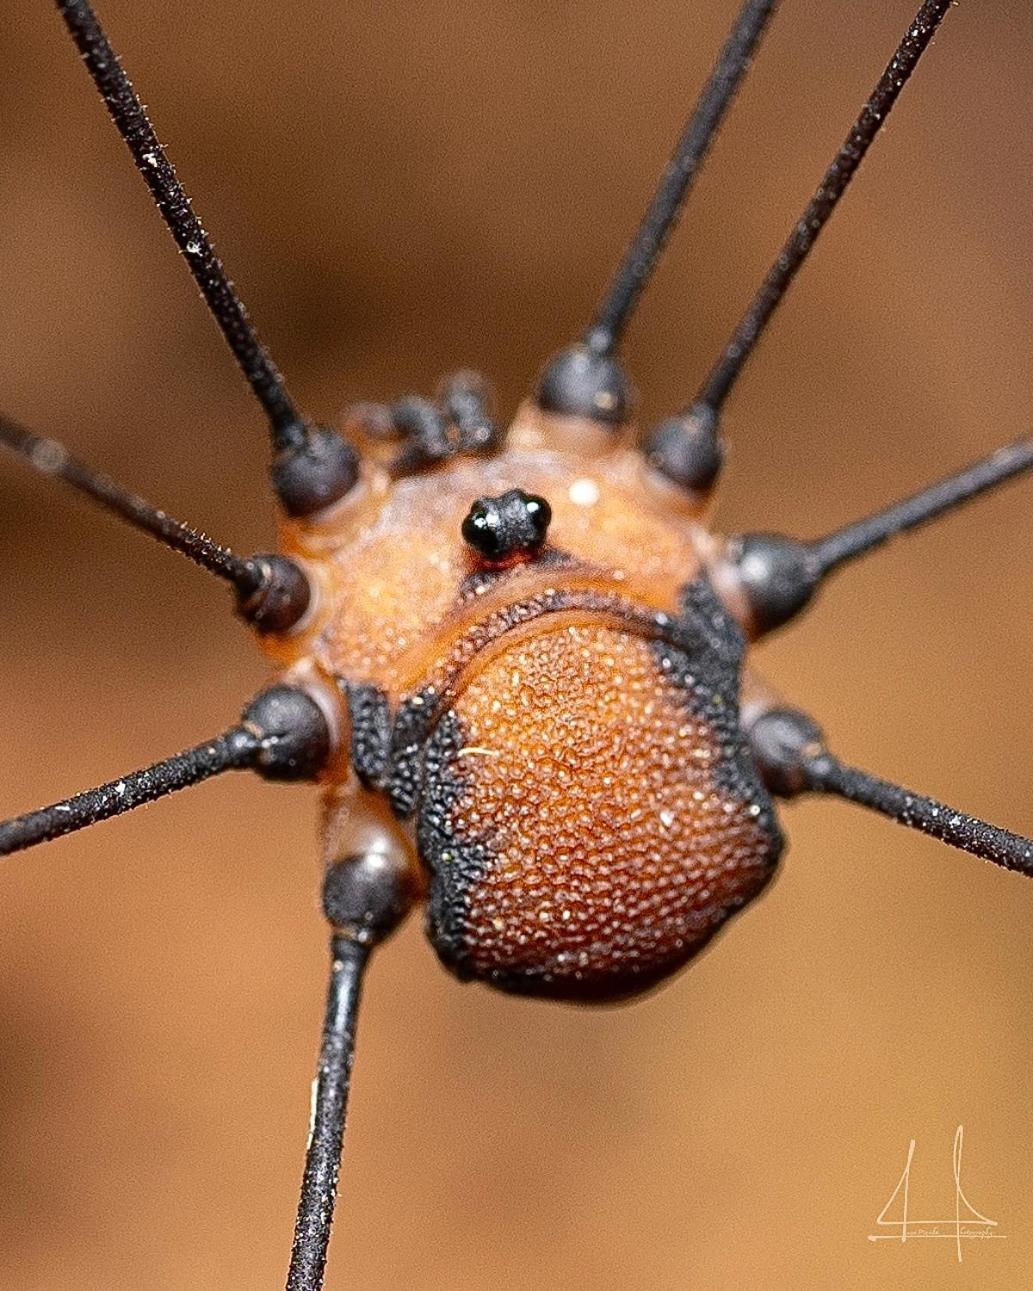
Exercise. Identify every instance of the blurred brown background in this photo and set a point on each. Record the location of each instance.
(399, 189)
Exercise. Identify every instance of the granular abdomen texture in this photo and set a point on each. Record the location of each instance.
(589, 815)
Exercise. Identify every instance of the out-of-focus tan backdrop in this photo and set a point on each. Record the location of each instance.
(400, 189)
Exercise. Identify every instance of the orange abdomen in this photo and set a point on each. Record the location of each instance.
(588, 816)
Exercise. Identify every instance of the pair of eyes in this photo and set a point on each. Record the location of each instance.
(510, 526)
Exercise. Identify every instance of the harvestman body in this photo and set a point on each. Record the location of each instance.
(516, 661)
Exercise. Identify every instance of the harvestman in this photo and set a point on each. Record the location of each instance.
(573, 615)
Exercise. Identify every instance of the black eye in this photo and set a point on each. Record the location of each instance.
(511, 525)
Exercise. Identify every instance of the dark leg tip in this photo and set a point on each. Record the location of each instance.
(687, 449)
(366, 897)
(580, 382)
(315, 469)
(295, 738)
(282, 596)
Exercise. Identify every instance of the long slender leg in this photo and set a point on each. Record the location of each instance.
(792, 758)
(585, 380)
(282, 735)
(313, 466)
(365, 897)
(686, 448)
(640, 259)
(767, 579)
(272, 591)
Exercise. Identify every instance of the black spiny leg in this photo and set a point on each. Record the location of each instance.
(282, 735)
(791, 756)
(272, 592)
(686, 448)
(364, 899)
(586, 380)
(769, 578)
(312, 466)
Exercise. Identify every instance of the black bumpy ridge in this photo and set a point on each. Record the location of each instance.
(370, 716)
(410, 733)
(456, 863)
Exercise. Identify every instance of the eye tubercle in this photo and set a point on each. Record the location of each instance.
(512, 525)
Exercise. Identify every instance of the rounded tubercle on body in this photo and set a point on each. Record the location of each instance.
(507, 528)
